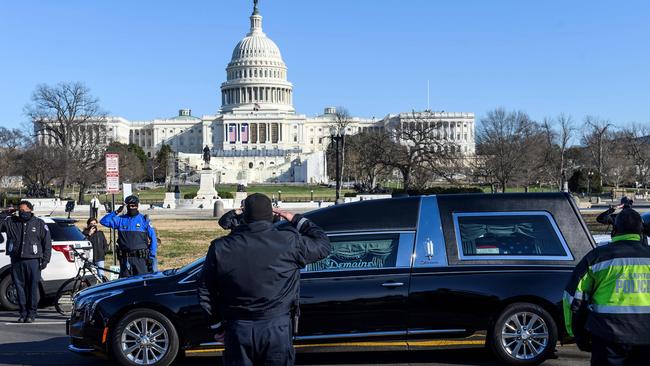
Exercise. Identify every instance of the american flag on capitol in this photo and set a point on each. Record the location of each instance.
(244, 133)
(232, 133)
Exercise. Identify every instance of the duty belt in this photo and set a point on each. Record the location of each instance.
(138, 253)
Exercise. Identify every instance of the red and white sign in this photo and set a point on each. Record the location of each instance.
(112, 173)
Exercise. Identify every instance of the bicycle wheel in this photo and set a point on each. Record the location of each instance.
(66, 292)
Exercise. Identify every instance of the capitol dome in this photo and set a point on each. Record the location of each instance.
(256, 46)
(256, 77)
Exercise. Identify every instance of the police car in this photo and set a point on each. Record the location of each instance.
(63, 264)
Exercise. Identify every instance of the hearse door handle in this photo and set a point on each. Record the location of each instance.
(392, 284)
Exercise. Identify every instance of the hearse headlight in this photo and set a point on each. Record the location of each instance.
(90, 303)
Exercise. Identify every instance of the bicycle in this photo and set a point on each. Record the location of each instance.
(87, 275)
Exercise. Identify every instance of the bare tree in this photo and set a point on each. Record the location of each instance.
(68, 117)
(558, 133)
(534, 158)
(597, 139)
(40, 165)
(501, 139)
(364, 152)
(11, 142)
(636, 144)
(421, 150)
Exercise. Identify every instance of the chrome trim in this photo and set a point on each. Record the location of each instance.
(195, 271)
(390, 275)
(392, 284)
(174, 292)
(351, 335)
(74, 349)
(211, 344)
(434, 331)
(429, 236)
(405, 250)
(558, 233)
(493, 271)
(342, 233)
(378, 334)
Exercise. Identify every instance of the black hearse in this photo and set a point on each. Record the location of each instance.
(404, 273)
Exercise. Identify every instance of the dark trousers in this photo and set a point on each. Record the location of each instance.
(133, 266)
(259, 342)
(604, 353)
(26, 273)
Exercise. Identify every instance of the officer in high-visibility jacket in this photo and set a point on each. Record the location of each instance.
(137, 242)
(607, 300)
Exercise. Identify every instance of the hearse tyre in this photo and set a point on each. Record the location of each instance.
(144, 337)
(523, 334)
(8, 295)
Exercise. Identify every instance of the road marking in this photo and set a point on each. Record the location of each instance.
(42, 323)
(371, 344)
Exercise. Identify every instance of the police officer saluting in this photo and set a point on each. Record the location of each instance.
(30, 247)
(137, 242)
(250, 281)
(607, 300)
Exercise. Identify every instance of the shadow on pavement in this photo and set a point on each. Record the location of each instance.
(453, 357)
(50, 351)
(476, 357)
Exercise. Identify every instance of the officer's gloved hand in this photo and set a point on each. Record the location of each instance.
(119, 209)
(43, 265)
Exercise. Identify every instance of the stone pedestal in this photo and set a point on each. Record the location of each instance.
(206, 186)
(239, 196)
(171, 199)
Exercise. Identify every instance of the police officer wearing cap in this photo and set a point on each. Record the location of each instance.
(137, 242)
(30, 248)
(608, 216)
(232, 218)
(607, 300)
(250, 282)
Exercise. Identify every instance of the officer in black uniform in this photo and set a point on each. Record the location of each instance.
(257, 299)
(232, 218)
(608, 217)
(136, 239)
(30, 248)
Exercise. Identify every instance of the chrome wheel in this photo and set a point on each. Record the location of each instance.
(524, 335)
(144, 341)
(11, 294)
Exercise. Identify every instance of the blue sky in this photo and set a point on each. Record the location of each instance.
(146, 59)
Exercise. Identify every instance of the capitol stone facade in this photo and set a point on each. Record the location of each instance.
(257, 136)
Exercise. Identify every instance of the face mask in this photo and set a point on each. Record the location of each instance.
(25, 216)
(132, 211)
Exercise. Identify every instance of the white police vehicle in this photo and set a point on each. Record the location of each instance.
(63, 264)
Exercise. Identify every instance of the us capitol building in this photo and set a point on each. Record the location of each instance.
(257, 135)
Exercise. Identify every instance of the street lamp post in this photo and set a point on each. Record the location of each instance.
(338, 135)
(280, 196)
(589, 175)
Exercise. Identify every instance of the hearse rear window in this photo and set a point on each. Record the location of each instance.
(509, 235)
(351, 252)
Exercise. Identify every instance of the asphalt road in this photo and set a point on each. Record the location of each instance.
(44, 343)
